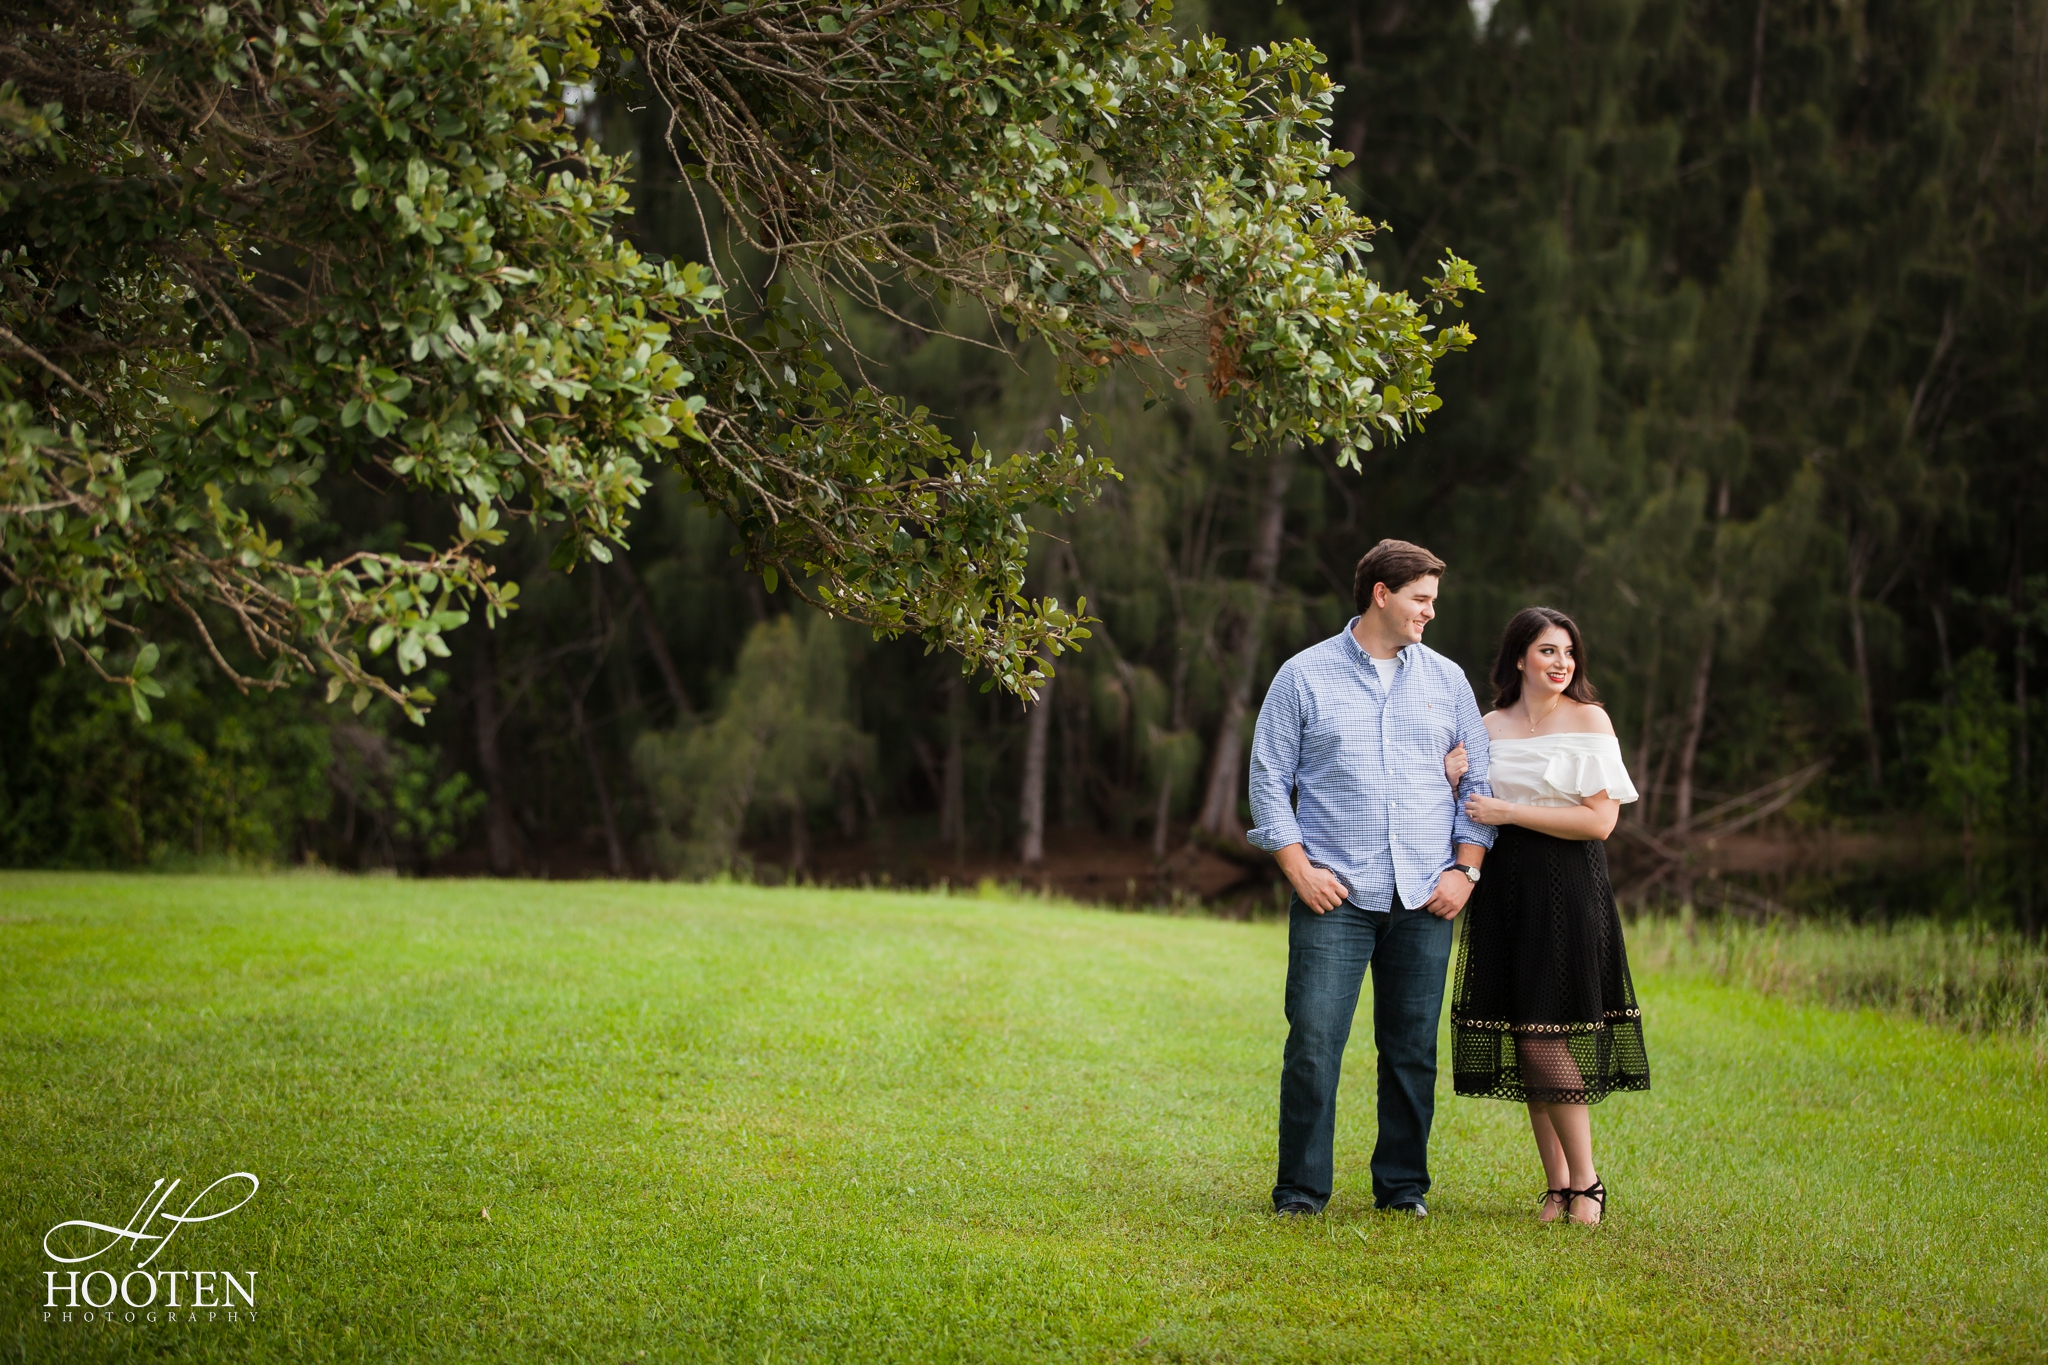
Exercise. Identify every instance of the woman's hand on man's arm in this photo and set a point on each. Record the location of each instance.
(1491, 810)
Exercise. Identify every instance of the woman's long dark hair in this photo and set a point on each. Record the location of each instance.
(1522, 631)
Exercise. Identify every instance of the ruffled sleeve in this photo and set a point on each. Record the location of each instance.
(1584, 770)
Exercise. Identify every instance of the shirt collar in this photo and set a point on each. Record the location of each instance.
(1358, 651)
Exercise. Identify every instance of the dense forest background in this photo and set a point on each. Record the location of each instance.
(1757, 396)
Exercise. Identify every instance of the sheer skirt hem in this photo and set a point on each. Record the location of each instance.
(1486, 1063)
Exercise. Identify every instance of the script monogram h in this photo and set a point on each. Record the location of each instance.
(147, 1212)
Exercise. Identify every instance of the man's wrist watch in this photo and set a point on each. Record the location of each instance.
(1471, 873)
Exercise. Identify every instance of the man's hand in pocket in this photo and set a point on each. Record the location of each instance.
(1318, 887)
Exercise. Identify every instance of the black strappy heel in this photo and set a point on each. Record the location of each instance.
(1565, 1195)
(1597, 1192)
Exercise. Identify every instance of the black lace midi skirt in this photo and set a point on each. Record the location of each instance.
(1543, 1008)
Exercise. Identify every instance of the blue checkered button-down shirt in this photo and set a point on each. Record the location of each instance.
(1368, 768)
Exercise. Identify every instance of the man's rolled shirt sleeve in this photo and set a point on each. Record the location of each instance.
(1276, 757)
(1479, 757)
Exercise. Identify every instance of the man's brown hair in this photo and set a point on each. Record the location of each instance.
(1396, 563)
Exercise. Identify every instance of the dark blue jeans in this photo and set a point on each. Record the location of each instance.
(1327, 956)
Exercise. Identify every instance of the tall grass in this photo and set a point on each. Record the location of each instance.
(1966, 976)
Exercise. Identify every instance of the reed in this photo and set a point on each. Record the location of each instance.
(1969, 976)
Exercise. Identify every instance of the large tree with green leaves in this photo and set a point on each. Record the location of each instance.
(247, 249)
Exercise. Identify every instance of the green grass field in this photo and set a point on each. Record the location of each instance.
(716, 1123)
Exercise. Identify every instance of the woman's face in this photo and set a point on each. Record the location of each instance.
(1547, 666)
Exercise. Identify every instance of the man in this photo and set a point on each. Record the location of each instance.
(1348, 788)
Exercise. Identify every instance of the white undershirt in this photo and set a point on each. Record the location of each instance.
(1385, 668)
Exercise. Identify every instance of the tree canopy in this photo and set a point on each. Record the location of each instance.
(247, 250)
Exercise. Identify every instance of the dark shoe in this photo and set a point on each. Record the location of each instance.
(1414, 1208)
(1296, 1208)
(1596, 1192)
(1564, 1204)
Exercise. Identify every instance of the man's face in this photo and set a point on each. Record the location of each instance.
(1409, 608)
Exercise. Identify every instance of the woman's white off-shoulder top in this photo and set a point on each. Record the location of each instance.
(1558, 770)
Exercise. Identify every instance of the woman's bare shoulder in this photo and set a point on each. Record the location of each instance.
(1498, 726)
(1590, 718)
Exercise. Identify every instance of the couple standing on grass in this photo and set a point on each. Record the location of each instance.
(1355, 742)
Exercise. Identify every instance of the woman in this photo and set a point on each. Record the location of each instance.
(1543, 1010)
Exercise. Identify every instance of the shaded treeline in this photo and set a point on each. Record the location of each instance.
(1756, 396)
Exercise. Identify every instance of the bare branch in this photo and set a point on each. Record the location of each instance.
(54, 368)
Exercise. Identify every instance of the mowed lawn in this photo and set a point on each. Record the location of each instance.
(724, 1123)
